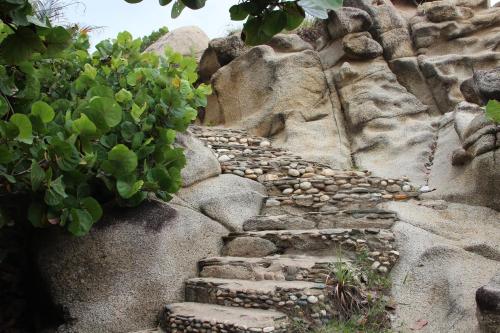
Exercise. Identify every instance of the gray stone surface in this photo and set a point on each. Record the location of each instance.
(228, 199)
(361, 46)
(289, 43)
(385, 122)
(201, 163)
(249, 247)
(348, 20)
(435, 281)
(297, 112)
(119, 276)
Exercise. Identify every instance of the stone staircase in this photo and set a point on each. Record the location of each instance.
(279, 267)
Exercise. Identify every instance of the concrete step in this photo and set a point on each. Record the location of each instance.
(376, 244)
(355, 218)
(277, 268)
(199, 317)
(295, 298)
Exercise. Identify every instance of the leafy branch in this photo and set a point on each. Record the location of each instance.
(264, 18)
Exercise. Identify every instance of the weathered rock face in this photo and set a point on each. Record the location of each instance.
(284, 96)
(454, 40)
(201, 163)
(228, 199)
(469, 142)
(118, 278)
(392, 70)
(220, 52)
(446, 254)
(188, 41)
(488, 304)
(385, 121)
(389, 27)
(482, 86)
(361, 46)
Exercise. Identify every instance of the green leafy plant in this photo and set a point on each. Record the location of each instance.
(344, 289)
(79, 130)
(264, 18)
(153, 37)
(493, 110)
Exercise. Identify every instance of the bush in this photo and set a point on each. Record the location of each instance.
(79, 130)
(153, 37)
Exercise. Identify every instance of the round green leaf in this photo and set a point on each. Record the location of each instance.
(23, 124)
(194, 4)
(36, 214)
(294, 15)
(43, 110)
(81, 222)
(4, 106)
(128, 189)
(5, 155)
(177, 9)
(105, 112)
(93, 207)
(123, 96)
(84, 126)
(238, 12)
(37, 176)
(274, 22)
(121, 161)
(493, 110)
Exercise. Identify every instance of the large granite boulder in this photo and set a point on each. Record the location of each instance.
(220, 52)
(188, 41)
(284, 96)
(201, 162)
(229, 199)
(134, 261)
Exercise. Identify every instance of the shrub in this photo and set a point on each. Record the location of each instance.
(153, 37)
(79, 130)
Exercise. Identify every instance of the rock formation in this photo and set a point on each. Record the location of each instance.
(373, 140)
(188, 41)
(381, 86)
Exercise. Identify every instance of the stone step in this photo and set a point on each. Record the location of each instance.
(295, 298)
(376, 244)
(356, 218)
(200, 317)
(277, 268)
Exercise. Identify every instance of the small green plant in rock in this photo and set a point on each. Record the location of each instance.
(493, 111)
(343, 288)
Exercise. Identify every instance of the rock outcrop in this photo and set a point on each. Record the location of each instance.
(188, 41)
(377, 89)
(391, 92)
(284, 96)
(117, 278)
